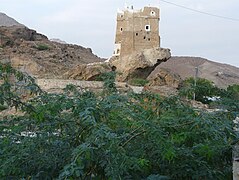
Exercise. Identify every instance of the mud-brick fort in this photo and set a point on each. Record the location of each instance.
(136, 30)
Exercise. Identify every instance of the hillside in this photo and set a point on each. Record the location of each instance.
(32, 52)
(221, 74)
(8, 21)
(35, 54)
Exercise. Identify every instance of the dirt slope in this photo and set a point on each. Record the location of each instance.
(221, 74)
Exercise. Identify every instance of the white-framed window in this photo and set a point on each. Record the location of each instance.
(147, 27)
(117, 49)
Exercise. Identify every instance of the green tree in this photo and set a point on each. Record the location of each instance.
(81, 135)
(203, 89)
(233, 91)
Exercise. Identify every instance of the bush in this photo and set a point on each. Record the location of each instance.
(2, 107)
(233, 91)
(203, 90)
(42, 47)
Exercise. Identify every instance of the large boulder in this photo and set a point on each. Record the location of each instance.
(165, 77)
(164, 82)
(136, 65)
(139, 64)
(88, 72)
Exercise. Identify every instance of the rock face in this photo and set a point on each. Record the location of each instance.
(164, 82)
(139, 64)
(33, 53)
(88, 72)
(136, 65)
(165, 77)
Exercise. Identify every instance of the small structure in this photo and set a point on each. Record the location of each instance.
(136, 30)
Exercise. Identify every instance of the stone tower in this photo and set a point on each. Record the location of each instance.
(136, 30)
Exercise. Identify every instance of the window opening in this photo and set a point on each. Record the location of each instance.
(147, 27)
(152, 13)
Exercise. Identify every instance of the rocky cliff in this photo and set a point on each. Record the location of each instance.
(136, 65)
(33, 53)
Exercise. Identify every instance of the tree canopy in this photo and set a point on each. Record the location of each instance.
(82, 135)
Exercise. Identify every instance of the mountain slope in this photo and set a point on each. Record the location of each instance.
(33, 53)
(8, 21)
(221, 74)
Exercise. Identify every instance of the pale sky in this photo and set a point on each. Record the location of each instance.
(91, 23)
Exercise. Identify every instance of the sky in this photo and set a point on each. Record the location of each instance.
(92, 23)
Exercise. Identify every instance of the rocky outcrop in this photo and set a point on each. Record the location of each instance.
(32, 52)
(14, 35)
(88, 72)
(164, 82)
(136, 65)
(165, 77)
(139, 64)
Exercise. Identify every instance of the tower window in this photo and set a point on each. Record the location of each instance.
(147, 28)
(144, 37)
(121, 29)
(152, 13)
(148, 39)
(136, 34)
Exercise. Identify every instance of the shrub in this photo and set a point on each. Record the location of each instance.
(42, 47)
(233, 91)
(2, 107)
(203, 89)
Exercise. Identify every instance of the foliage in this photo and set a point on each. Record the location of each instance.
(203, 90)
(2, 107)
(78, 135)
(42, 47)
(138, 82)
(233, 91)
(229, 99)
(109, 82)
